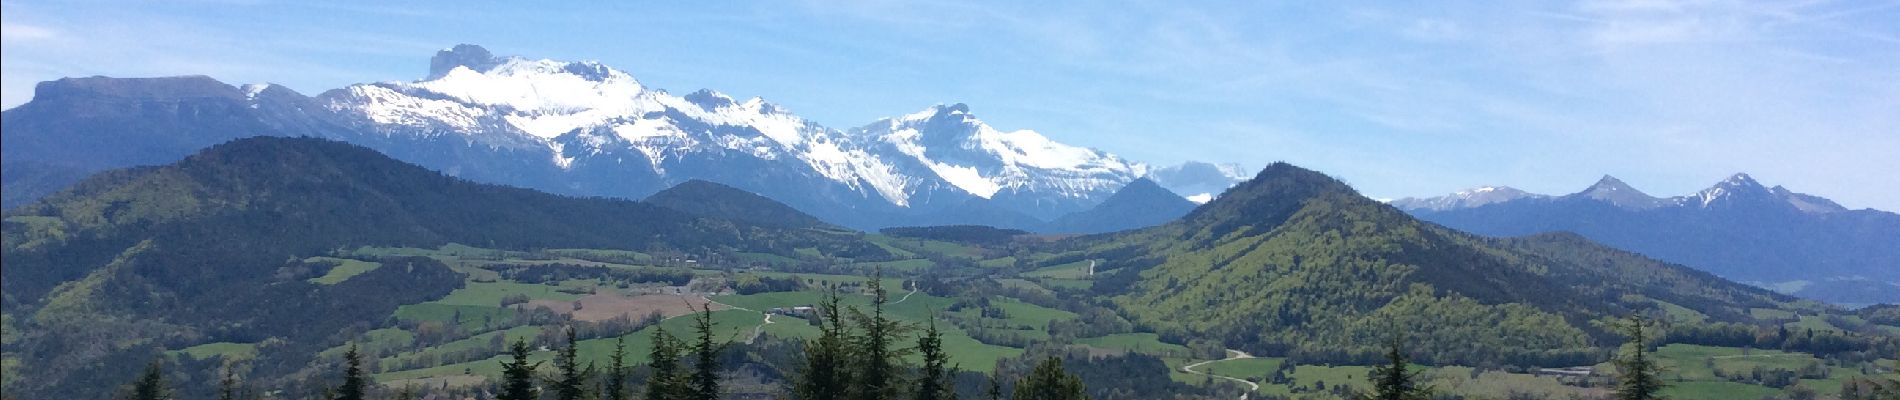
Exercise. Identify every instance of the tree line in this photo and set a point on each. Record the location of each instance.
(858, 356)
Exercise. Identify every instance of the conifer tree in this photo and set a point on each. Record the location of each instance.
(517, 374)
(151, 384)
(614, 386)
(875, 376)
(1638, 377)
(935, 384)
(825, 375)
(1050, 382)
(1393, 380)
(704, 383)
(996, 388)
(354, 383)
(227, 383)
(666, 382)
(407, 393)
(571, 383)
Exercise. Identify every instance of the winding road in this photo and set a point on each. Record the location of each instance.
(760, 330)
(913, 290)
(1231, 355)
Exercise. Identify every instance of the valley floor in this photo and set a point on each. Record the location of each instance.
(456, 340)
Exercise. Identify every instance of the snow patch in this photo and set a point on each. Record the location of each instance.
(252, 90)
(386, 106)
(982, 160)
(966, 178)
(545, 100)
(641, 130)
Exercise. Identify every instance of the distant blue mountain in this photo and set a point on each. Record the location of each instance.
(1140, 204)
(1739, 229)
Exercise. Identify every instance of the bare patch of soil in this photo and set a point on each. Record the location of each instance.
(606, 306)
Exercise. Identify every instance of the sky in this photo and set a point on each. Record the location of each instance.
(1397, 98)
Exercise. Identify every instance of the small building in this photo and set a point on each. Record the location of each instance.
(795, 311)
(1571, 371)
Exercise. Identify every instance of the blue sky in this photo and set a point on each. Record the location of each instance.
(1400, 99)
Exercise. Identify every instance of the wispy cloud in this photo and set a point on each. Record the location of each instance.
(19, 32)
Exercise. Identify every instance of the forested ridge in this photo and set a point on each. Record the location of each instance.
(1295, 262)
(152, 255)
(710, 199)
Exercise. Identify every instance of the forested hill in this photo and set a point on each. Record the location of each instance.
(132, 259)
(710, 199)
(302, 195)
(1140, 204)
(1296, 262)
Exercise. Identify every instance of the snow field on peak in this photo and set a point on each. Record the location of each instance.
(1026, 147)
(582, 109)
(544, 104)
(548, 102)
(1476, 191)
(1024, 158)
(385, 106)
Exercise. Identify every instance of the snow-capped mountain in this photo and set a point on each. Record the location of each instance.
(1468, 198)
(583, 128)
(1019, 170)
(1610, 190)
(592, 120)
(579, 110)
(1198, 181)
(1736, 228)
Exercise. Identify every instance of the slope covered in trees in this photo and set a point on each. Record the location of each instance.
(1295, 262)
(714, 200)
(136, 258)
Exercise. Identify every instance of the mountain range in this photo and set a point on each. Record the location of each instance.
(148, 217)
(1738, 229)
(219, 247)
(583, 128)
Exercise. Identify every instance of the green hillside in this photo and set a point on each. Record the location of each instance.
(215, 245)
(1295, 262)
